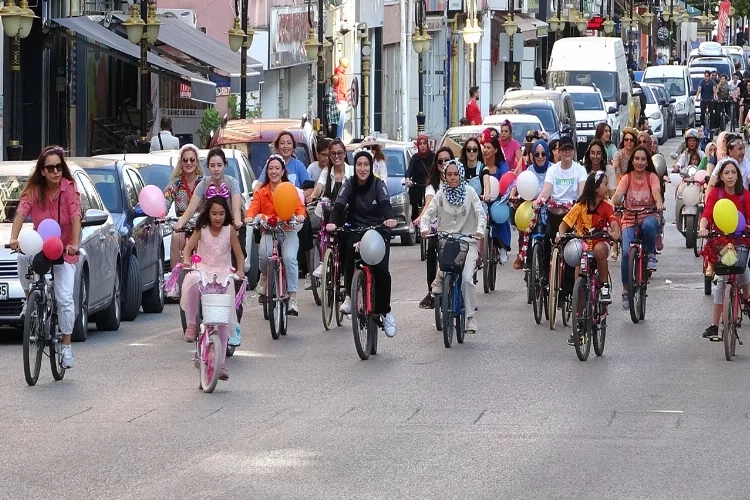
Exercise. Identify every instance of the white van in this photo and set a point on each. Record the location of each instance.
(677, 81)
(599, 61)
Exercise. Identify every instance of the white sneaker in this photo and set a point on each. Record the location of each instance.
(292, 311)
(261, 286)
(23, 309)
(68, 360)
(471, 325)
(389, 325)
(318, 271)
(503, 256)
(346, 306)
(308, 282)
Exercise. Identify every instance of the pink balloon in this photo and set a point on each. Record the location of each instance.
(301, 195)
(152, 201)
(700, 176)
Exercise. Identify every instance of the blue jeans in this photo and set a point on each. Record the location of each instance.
(650, 229)
(289, 245)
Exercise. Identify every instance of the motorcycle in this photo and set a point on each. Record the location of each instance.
(689, 203)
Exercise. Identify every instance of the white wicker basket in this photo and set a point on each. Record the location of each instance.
(217, 308)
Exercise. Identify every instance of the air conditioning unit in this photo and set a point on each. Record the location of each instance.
(187, 16)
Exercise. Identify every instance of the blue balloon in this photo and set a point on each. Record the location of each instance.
(476, 183)
(499, 212)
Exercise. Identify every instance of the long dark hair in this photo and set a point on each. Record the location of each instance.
(435, 175)
(739, 189)
(462, 157)
(37, 183)
(649, 165)
(215, 152)
(587, 157)
(500, 154)
(204, 219)
(599, 134)
(593, 181)
(277, 157)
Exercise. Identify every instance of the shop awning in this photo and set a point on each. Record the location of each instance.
(97, 35)
(527, 25)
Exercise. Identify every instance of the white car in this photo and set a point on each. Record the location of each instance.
(521, 123)
(590, 112)
(654, 115)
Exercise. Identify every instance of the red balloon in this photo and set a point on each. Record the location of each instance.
(506, 180)
(52, 248)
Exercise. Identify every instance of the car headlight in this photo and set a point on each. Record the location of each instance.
(655, 116)
(680, 106)
(398, 199)
(657, 129)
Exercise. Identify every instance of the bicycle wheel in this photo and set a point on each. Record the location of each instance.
(698, 247)
(422, 249)
(529, 286)
(272, 301)
(487, 258)
(599, 325)
(634, 296)
(494, 259)
(55, 357)
(581, 319)
(566, 309)
(328, 289)
(211, 363)
(33, 337)
(448, 324)
(729, 322)
(315, 282)
(439, 312)
(553, 289)
(360, 319)
(536, 282)
(460, 324)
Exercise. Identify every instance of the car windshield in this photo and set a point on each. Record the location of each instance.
(157, 175)
(545, 115)
(649, 95)
(605, 81)
(394, 158)
(721, 65)
(260, 151)
(107, 184)
(233, 170)
(736, 58)
(675, 86)
(696, 79)
(11, 187)
(587, 102)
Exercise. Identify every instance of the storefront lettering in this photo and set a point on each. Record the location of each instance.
(181, 112)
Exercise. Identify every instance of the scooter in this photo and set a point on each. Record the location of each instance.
(689, 202)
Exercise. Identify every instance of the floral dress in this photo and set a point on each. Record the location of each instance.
(179, 193)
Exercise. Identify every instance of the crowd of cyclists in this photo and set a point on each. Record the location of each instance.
(615, 189)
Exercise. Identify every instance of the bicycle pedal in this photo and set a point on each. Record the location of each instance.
(715, 339)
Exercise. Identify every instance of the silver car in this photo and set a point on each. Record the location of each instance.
(97, 277)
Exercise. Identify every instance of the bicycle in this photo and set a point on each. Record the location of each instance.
(490, 258)
(216, 309)
(536, 276)
(40, 326)
(732, 305)
(333, 287)
(450, 313)
(638, 273)
(590, 314)
(316, 253)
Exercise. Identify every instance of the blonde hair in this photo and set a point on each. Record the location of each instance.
(177, 171)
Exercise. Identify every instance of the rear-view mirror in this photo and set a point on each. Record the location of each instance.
(611, 110)
(94, 217)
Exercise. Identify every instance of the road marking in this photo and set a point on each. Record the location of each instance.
(676, 412)
(251, 354)
(141, 345)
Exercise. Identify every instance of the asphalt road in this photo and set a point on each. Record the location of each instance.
(511, 413)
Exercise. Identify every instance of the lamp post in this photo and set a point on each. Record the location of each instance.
(471, 34)
(143, 30)
(670, 16)
(510, 27)
(582, 23)
(421, 42)
(314, 48)
(17, 24)
(365, 51)
(240, 38)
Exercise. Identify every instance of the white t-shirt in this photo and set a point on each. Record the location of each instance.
(565, 182)
(380, 168)
(348, 172)
(744, 170)
(314, 170)
(167, 140)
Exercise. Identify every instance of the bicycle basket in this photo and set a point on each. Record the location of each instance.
(739, 267)
(452, 255)
(217, 308)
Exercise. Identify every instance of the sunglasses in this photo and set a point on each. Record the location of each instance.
(540, 154)
(189, 160)
(54, 168)
(628, 139)
(472, 150)
(440, 161)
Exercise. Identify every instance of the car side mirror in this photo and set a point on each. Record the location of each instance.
(611, 110)
(623, 98)
(693, 93)
(138, 211)
(566, 129)
(672, 100)
(94, 217)
(662, 103)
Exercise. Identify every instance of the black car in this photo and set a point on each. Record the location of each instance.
(141, 243)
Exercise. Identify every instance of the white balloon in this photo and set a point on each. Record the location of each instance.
(691, 195)
(494, 188)
(660, 163)
(372, 247)
(527, 185)
(573, 252)
(30, 242)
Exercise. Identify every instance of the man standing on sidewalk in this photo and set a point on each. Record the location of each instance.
(341, 99)
(473, 113)
(331, 109)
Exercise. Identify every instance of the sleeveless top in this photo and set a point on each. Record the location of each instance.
(215, 251)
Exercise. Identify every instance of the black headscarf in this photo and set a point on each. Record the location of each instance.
(363, 188)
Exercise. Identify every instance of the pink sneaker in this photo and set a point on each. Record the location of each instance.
(659, 242)
(191, 333)
(224, 374)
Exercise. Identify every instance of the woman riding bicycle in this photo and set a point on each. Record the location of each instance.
(471, 158)
(595, 161)
(418, 172)
(511, 148)
(728, 186)
(368, 204)
(495, 166)
(458, 211)
(442, 157)
(262, 206)
(735, 149)
(51, 193)
(639, 188)
(185, 177)
(622, 156)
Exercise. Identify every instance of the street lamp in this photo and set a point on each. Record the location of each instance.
(17, 23)
(582, 23)
(421, 42)
(314, 48)
(241, 38)
(471, 34)
(608, 26)
(141, 30)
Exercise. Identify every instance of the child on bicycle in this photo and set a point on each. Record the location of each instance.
(729, 186)
(215, 240)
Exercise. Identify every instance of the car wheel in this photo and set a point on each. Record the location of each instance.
(153, 300)
(81, 326)
(109, 320)
(131, 295)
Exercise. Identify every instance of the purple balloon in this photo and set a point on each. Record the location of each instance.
(741, 223)
(48, 228)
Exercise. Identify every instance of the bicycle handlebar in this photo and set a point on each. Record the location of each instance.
(646, 210)
(7, 245)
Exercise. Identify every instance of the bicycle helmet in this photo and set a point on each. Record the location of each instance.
(692, 134)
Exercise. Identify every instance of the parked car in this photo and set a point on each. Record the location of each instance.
(96, 278)
(554, 108)
(397, 156)
(520, 123)
(677, 81)
(667, 105)
(590, 112)
(254, 137)
(654, 114)
(141, 240)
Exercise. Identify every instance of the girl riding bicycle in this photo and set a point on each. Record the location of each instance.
(215, 240)
(458, 211)
(51, 193)
(262, 205)
(495, 166)
(729, 186)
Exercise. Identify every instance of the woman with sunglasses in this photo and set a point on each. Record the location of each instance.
(622, 156)
(604, 134)
(442, 157)
(471, 158)
(595, 161)
(51, 193)
(182, 184)
(495, 166)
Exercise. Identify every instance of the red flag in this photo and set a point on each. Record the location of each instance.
(721, 29)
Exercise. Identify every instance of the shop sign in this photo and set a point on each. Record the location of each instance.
(542, 31)
(182, 113)
(186, 92)
(223, 91)
(287, 33)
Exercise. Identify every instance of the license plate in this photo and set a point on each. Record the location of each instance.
(582, 138)
(3, 291)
